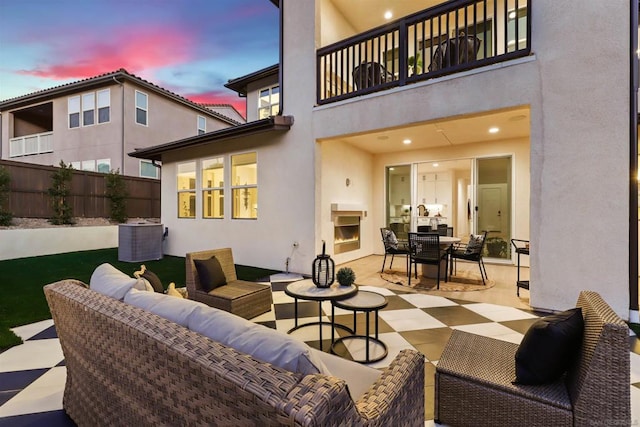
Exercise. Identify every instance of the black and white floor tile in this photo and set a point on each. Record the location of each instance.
(32, 375)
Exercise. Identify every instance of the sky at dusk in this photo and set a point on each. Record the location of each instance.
(190, 47)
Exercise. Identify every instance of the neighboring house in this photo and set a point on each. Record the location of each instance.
(515, 117)
(226, 110)
(92, 123)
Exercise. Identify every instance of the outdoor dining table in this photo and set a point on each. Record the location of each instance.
(431, 271)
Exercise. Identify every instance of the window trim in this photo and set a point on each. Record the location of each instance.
(272, 104)
(156, 168)
(108, 106)
(201, 130)
(145, 109)
(204, 189)
(70, 112)
(242, 186)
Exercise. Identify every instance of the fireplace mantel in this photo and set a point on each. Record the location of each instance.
(348, 207)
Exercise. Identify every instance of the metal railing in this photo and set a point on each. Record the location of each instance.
(31, 144)
(451, 37)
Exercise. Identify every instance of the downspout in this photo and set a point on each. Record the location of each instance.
(633, 164)
(280, 56)
(122, 124)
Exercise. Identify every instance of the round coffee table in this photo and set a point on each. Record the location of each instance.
(364, 301)
(307, 290)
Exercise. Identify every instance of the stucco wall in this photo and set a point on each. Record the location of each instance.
(24, 243)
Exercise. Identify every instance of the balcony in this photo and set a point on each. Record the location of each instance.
(451, 37)
(31, 144)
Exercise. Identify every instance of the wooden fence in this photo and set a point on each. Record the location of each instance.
(28, 196)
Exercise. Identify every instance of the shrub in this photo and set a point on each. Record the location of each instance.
(60, 192)
(346, 276)
(5, 180)
(117, 194)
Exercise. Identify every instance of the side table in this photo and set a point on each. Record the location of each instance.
(307, 290)
(368, 302)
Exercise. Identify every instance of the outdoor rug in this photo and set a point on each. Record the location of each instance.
(463, 281)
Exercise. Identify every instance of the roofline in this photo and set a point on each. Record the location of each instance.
(240, 84)
(273, 123)
(100, 81)
(276, 3)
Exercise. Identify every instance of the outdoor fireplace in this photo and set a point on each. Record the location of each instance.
(347, 234)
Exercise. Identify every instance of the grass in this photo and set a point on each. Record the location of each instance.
(22, 300)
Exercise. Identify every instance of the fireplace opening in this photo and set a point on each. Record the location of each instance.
(346, 234)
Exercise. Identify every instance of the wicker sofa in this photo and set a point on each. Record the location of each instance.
(127, 366)
(473, 384)
(242, 298)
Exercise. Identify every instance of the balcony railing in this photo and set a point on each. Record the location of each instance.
(31, 144)
(445, 39)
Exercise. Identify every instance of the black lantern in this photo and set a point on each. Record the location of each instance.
(323, 270)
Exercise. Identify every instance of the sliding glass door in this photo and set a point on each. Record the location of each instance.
(398, 181)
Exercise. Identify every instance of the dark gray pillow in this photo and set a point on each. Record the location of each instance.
(210, 273)
(549, 347)
(154, 280)
(474, 245)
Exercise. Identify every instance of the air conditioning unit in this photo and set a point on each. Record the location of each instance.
(139, 242)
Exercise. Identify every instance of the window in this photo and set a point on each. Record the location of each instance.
(187, 190)
(213, 188)
(104, 106)
(88, 109)
(268, 102)
(142, 104)
(202, 125)
(148, 169)
(244, 188)
(75, 165)
(104, 165)
(89, 165)
(73, 105)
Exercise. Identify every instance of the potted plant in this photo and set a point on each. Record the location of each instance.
(346, 276)
(415, 65)
(496, 247)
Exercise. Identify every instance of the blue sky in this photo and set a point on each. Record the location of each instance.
(191, 47)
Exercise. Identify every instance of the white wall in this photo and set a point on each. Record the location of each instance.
(22, 243)
(341, 161)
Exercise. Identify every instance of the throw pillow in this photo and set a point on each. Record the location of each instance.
(474, 245)
(171, 290)
(210, 273)
(109, 281)
(391, 239)
(143, 285)
(549, 347)
(155, 281)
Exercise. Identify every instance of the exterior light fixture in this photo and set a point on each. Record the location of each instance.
(494, 130)
(406, 141)
(388, 15)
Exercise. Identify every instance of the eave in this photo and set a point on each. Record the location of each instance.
(270, 124)
(240, 84)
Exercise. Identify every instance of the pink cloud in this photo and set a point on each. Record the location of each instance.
(215, 97)
(145, 48)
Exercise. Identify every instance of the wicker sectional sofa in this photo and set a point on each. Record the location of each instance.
(128, 366)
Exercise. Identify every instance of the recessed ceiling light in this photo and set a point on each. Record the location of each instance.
(406, 141)
(512, 14)
(494, 130)
(435, 165)
(388, 15)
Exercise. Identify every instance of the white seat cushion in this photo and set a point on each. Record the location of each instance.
(261, 342)
(358, 377)
(177, 310)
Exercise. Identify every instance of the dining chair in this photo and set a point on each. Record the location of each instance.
(442, 229)
(425, 249)
(393, 247)
(471, 251)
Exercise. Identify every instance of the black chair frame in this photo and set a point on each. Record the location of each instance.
(425, 249)
(401, 249)
(459, 251)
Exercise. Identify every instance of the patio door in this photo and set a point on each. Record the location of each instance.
(493, 204)
(398, 206)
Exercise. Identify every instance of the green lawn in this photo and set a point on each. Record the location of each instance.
(22, 300)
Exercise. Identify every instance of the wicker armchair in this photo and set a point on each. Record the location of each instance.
(242, 298)
(473, 383)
